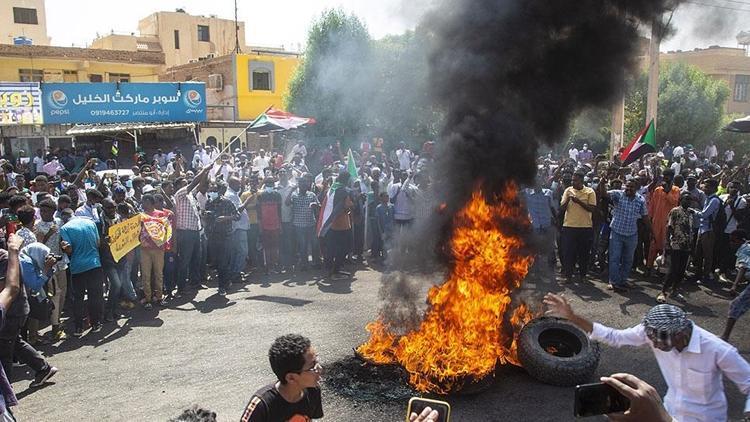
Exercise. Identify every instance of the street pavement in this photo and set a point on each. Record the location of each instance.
(212, 351)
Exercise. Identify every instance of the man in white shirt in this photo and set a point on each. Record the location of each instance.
(573, 152)
(711, 152)
(728, 155)
(404, 157)
(38, 162)
(691, 359)
(223, 169)
(676, 166)
(678, 152)
(300, 149)
(403, 194)
(261, 161)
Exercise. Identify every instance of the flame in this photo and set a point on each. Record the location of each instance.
(470, 325)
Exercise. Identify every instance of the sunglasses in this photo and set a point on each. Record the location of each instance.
(317, 369)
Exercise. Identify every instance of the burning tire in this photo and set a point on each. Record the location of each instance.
(556, 352)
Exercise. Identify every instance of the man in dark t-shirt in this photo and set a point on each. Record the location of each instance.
(295, 397)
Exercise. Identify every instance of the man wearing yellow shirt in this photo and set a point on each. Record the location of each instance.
(578, 203)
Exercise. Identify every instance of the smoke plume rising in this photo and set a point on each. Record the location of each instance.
(510, 74)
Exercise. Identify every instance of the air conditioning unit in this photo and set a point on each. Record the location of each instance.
(210, 55)
(216, 81)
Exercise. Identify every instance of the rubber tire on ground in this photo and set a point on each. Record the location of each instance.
(551, 369)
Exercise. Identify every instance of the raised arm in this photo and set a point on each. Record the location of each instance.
(83, 171)
(12, 284)
(634, 336)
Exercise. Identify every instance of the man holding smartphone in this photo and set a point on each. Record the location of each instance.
(691, 359)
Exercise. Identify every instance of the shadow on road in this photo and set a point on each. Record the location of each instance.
(280, 299)
(212, 303)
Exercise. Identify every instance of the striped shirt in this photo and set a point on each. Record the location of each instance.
(187, 216)
(626, 212)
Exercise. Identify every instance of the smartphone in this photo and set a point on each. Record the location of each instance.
(598, 399)
(418, 404)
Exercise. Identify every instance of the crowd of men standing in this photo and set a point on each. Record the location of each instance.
(216, 217)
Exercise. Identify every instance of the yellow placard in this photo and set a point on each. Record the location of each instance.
(124, 237)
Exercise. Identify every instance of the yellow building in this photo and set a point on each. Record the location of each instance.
(263, 79)
(35, 63)
(23, 18)
(240, 86)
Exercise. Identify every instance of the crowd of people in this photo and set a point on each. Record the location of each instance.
(218, 215)
(675, 214)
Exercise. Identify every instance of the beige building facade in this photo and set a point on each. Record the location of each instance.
(183, 38)
(23, 18)
(731, 65)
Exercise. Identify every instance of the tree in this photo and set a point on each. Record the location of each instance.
(691, 105)
(592, 127)
(401, 108)
(332, 80)
(359, 88)
(739, 142)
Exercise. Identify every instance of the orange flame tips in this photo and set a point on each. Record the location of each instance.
(465, 332)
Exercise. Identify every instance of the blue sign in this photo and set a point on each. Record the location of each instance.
(79, 103)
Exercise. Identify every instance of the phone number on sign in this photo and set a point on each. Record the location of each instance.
(110, 112)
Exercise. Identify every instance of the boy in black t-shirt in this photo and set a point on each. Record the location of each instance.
(295, 397)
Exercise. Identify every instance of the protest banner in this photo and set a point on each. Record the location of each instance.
(124, 237)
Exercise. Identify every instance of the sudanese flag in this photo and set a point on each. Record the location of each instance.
(643, 143)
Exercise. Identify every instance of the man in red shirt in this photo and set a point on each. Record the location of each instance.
(269, 218)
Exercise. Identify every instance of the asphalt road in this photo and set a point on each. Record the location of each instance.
(212, 351)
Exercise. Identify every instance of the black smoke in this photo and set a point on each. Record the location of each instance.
(510, 75)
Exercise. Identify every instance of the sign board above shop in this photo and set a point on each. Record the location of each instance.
(81, 103)
(20, 103)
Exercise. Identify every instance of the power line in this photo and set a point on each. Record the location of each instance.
(717, 6)
(738, 2)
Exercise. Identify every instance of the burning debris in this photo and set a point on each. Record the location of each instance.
(470, 322)
(509, 76)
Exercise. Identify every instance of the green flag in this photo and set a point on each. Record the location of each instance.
(351, 165)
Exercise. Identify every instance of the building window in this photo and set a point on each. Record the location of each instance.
(177, 39)
(25, 15)
(70, 75)
(96, 78)
(30, 75)
(119, 77)
(261, 76)
(203, 34)
(741, 83)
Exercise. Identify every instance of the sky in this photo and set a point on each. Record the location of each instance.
(286, 22)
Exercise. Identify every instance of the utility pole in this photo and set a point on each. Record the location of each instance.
(618, 125)
(236, 30)
(653, 71)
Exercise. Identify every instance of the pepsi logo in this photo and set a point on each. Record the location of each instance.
(58, 98)
(193, 98)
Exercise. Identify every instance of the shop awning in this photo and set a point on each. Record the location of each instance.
(124, 127)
